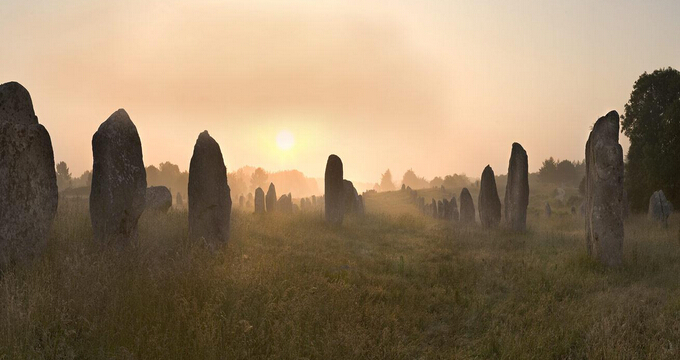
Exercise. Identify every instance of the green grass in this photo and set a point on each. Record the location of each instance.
(393, 285)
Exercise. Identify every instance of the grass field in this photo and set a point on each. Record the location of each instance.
(393, 285)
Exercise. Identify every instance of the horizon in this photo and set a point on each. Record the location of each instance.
(397, 86)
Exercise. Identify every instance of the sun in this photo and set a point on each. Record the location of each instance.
(285, 140)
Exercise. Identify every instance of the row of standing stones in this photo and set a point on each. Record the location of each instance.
(516, 197)
(119, 191)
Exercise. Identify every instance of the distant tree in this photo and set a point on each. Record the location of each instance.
(411, 179)
(436, 182)
(386, 183)
(63, 176)
(259, 179)
(456, 181)
(566, 172)
(548, 171)
(651, 121)
(237, 185)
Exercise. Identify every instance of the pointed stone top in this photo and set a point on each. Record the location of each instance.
(608, 126)
(16, 105)
(517, 147)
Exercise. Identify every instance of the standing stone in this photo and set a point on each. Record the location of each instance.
(303, 204)
(517, 189)
(548, 210)
(403, 187)
(158, 198)
(435, 212)
(285, 204)
(241, 201)
(334, 191)
(440, 209)
(313, 200)
(467, 207)
(271, 198)
(447, 209)
(209, 193)
(455, 216)
(179, 202)
(28, 184)
(259, 201)
(489, 202)
(659, 208)
(117, 197)
(604, 191)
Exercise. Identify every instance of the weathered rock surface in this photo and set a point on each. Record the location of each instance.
(659, 207)
(271, 200)
(435, 211)
(259, 201)
(334, 191)
(117, 197)
(467, 207)
(158, 198)
(440, 209)
(209, 193)
(28, 184)
(517, 189)
(604, 191)
(455, 215)
(489, 203)
(285, 204)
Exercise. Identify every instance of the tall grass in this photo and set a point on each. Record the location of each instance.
(393, 285)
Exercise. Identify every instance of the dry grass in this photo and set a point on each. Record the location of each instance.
(395, 285)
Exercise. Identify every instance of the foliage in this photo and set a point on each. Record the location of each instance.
(561, 172)
(652, 123)
(386, 183)
(63, 176)
(259, 179)
(411, 179)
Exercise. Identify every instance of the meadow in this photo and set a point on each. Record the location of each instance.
(395, 284)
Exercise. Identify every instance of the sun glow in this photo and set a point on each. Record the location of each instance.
(285, 140)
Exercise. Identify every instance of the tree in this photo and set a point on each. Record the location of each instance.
(548, 171)
(259, 179)
(386, 183)
(411, 179)
(436, 182)
(63, 176)
(651, 121)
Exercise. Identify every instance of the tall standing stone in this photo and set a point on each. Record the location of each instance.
(489, 203)
(271, 198)
(209, 193)
(334, 191)
(179, 201)
(285, 204)
(517, 189)
(435, 211)
(604, 191)
(659, 208)
(28, 184)
(259, 201)
(241, 201)
(117, 197)
(467, 207)
(440, 209)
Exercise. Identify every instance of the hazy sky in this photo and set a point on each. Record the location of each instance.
(437, 86)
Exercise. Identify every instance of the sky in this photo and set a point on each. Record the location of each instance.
(439, 87)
